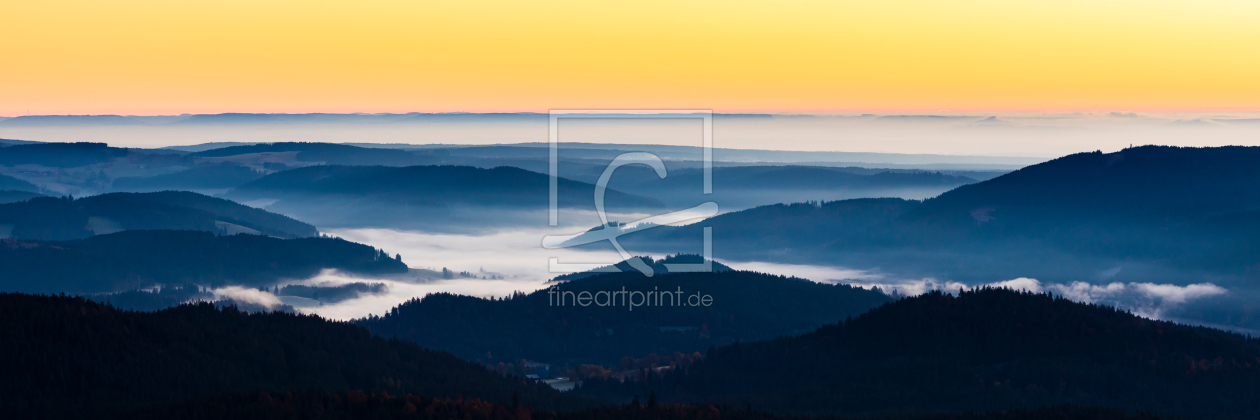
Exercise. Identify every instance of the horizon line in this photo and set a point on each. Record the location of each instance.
(844, 112)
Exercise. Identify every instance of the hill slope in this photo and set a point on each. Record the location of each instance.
(63, 218)
(136, 259)
(741, 187)
(987, 349)
(208, 176)
(1162, 213)
(77, 356)
(14, 184)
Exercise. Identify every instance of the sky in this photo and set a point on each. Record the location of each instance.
(145, 57)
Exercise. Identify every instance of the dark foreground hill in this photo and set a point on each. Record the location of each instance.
(988, 349)
(66, 218)
(135, 259)
(67, 357)
(426, 196)
(740, 305)
(361, 405)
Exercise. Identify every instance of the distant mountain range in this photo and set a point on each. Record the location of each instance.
(988, 349)
(48, 218)
(742, 306)
(82, 169)
(143, 258)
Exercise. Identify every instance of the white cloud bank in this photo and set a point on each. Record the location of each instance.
(1144, 299)
(519, 257)
(247, 295)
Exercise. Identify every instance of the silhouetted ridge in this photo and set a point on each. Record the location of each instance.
(986, 349)
(538, 326)
(77, 357)
(367, 405)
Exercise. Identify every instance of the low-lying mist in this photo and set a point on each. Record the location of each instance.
(509, 261)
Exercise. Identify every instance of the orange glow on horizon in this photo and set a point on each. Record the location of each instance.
(143, 57)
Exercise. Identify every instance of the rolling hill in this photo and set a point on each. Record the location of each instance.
(742, 187)
(48, 218)
(1161, 213)
(142, 258)
(207, 176)
(432, 196)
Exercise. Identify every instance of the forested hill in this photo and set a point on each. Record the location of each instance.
(1192, 206)
(48, 218)
(65, 357)
(987, 349)
(136, 259)
(743, 306)
(1163, 183)
(59, 155)
(1163, 213)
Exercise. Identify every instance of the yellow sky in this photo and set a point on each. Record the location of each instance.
(170, 57)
